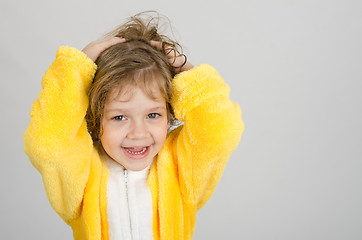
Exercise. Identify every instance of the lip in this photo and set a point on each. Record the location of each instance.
(137, 156)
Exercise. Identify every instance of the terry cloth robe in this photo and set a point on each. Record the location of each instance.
(183, 175)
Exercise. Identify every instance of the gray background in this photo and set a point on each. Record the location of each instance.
(293, 66)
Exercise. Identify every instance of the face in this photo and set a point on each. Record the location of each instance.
(134, 127)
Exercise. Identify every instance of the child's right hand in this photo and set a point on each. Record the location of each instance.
(94, 49)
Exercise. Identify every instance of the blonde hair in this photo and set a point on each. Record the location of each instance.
(133, 63)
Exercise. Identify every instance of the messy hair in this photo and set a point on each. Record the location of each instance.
(134, 63)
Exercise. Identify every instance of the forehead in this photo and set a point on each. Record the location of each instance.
(134, 101)
(150, 81)
(152, 90)
(127, 93)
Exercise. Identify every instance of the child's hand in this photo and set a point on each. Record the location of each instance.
(94, 49)
(177, 60)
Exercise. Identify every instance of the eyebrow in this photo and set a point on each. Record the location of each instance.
(157, 108)
(154, 109)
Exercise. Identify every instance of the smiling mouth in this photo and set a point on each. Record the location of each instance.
(136, 151)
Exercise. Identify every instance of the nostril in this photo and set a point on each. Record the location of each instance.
(138, 131)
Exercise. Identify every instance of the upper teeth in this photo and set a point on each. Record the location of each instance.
(140, 152)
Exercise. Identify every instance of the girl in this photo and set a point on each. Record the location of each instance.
(98, 135)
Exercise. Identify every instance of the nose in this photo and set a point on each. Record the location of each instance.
(138, 130)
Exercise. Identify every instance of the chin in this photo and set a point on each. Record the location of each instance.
(137, 167)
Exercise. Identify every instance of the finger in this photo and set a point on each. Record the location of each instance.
(94, 49)
(169, 50)
(108, 42)
(163, 46)
(156, 44)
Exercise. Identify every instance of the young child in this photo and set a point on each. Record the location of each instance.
(98, 135)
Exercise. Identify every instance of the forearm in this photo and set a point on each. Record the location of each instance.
(211, 131)
(57, 141)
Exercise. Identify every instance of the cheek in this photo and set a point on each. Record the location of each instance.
(109, 135)
(161, 132)
(106, 140)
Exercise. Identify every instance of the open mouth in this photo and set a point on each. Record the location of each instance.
(136, 152)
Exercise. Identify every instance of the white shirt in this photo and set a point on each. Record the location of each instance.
(129, 203)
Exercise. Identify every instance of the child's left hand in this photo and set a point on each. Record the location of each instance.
(177, 60)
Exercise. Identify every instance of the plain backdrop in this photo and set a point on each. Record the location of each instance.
(293, 66)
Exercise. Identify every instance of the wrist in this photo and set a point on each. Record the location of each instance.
(186, 67)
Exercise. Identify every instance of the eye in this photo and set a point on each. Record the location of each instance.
(153, 115)
(119, 118)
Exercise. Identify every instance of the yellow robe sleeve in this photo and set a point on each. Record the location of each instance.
(212, 130)
(56, 140)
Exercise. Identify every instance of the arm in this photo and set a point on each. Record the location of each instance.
(56, 140)
(212, 126)
(211, 131)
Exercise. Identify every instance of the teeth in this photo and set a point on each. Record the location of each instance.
(136, 153)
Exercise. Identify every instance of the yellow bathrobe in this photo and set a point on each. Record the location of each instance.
(183, 176)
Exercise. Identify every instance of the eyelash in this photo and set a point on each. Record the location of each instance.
(119, 118)
(149, 116)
